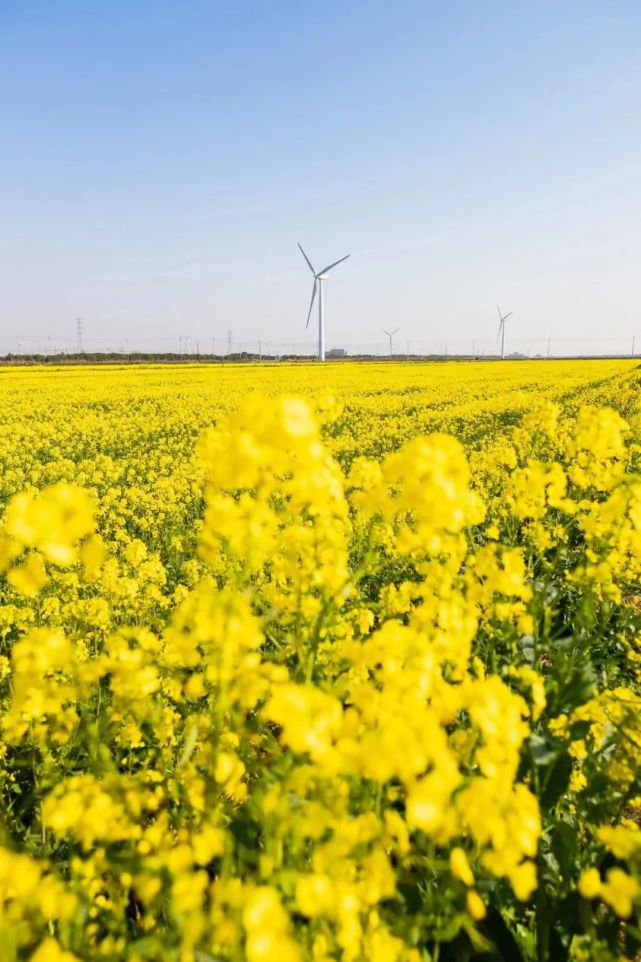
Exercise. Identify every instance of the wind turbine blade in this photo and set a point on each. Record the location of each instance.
(396, 331)
(386, 332)
(497, 306)
(505, 317)
(325, 269)
(311, 304)
(500, 329)
(309, 263)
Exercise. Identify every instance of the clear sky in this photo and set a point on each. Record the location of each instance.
(159, 160)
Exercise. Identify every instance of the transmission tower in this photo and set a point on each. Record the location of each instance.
(79, 346)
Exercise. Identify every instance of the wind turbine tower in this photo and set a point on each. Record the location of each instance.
(318, 285)
(390, 334)
(502, 319)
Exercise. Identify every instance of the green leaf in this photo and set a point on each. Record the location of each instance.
(495, 928)
(557, 781)
(581, 687)
(544, 750)
(526, 648)
(563, 841)
(579, 730)
(569, 913)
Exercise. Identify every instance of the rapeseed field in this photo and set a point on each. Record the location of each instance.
(321, 663)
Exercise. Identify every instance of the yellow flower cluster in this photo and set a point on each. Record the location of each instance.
(291, 678)
(52, 523)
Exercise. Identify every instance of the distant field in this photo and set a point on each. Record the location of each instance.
(76, 410)
(304, 662)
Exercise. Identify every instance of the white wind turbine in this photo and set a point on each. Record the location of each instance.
(390, 334)
(318, 283)
(502, 319)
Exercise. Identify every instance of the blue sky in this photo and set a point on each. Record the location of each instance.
(161, 158)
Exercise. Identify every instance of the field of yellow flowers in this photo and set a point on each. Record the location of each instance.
(321, 663)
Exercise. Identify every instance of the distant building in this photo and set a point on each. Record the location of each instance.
(337, 352)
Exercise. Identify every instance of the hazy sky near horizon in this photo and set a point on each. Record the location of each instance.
(160, 159)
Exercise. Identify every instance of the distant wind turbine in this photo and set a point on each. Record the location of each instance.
(502, 319)
(390, 334)
(318, 284)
